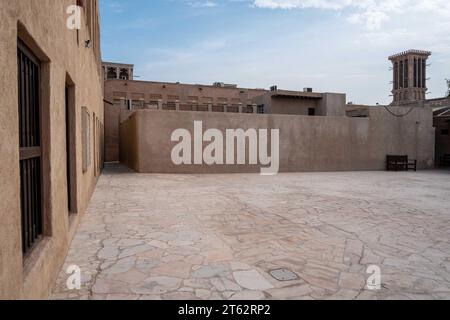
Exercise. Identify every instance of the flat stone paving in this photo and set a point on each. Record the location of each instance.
(220, 236)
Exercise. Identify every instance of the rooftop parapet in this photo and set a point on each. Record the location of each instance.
(412, 51)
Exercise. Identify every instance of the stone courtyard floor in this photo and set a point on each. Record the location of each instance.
(219, 236)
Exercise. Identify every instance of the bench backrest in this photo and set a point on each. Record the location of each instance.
(397, 158)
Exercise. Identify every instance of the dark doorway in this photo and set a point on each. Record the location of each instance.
(30, 147)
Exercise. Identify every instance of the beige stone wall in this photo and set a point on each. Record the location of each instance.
(41, 24)
(112, 120)
(306, 143)
(332, 104)
(129, 142)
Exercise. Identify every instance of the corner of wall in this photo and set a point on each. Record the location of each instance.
(138, 120)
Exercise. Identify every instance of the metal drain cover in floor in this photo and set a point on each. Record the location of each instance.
(284, 275)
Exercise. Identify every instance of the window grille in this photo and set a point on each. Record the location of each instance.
(30, 146)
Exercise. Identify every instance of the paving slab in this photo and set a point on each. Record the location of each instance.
(150, 236)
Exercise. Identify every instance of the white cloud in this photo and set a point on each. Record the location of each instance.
(371, 13)
(302, 4)
(202, 4)
(328, 52)
(116, 6)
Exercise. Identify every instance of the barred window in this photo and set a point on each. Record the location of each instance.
(30, 148)
(155, 97)
(207, 99)
(173, 98)
(137, 104)
(119, 95)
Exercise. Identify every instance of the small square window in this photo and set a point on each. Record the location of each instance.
(444, 132)
(261, 109)
(311, 112)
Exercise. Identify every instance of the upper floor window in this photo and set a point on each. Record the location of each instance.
(124, 74)
(111, 73)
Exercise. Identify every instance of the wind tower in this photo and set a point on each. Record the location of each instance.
(410, 76)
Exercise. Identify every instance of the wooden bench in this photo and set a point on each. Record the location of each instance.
(400, 163)
(445, 160)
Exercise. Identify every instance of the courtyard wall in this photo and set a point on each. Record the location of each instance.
(306, 143)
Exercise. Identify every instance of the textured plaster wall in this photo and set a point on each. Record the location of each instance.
(306, 143)
(112, 133)
(42, 25)
(129, 143)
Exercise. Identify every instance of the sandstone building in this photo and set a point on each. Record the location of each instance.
(123, 96)
(52, 146)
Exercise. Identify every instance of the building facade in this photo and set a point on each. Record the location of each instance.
(125, 96)
(52, 128)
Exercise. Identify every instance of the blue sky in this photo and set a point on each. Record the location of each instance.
(330, 45)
